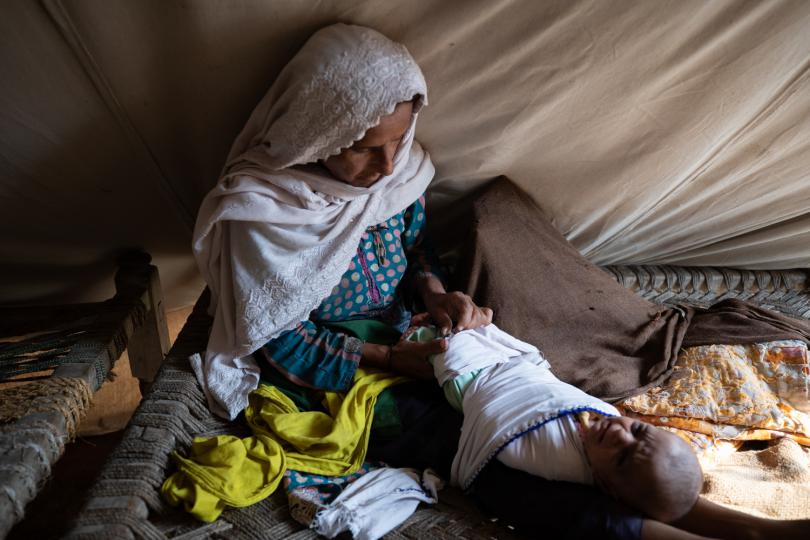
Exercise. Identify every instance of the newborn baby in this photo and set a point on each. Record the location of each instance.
(517, 411)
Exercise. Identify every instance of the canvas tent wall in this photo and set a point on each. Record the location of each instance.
(652, 132)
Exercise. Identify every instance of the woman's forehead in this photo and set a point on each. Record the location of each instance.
(390, 127)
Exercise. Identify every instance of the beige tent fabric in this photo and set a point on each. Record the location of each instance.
(665, 132)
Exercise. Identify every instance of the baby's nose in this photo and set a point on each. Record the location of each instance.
(618, 436)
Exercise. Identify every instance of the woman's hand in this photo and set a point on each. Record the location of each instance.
(451, 311)
(456, 311)
(405, 357)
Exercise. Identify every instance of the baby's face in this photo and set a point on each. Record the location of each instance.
(623, 451)
(645, 467)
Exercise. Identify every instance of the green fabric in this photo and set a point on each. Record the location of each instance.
(228, 471)
(368, 330)
(423, 334)
(453, 389)
(386, 423)
(305, 399)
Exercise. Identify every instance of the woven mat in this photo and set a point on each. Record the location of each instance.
(69, 397)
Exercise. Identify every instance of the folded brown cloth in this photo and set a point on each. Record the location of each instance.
(737, 322)
(596, 334)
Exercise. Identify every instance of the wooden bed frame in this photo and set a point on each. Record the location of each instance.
(74, 347)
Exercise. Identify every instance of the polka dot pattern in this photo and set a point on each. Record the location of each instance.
(369, 282)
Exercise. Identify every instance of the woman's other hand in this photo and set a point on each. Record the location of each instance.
(411, 358)
(405, 357)
(419, 319)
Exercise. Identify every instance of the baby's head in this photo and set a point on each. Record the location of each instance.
(648, 468)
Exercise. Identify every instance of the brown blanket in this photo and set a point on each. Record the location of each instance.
(596, 334)
(736, 322)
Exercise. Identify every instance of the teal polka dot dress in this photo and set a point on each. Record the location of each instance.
(312, 355)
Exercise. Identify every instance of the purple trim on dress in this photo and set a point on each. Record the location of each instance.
(374, 292)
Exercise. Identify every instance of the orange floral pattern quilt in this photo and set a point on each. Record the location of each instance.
(719, 396)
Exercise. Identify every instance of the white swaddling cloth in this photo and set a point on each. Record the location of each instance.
(515, 405)
(480, 348)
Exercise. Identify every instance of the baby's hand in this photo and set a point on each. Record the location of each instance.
(420, 319)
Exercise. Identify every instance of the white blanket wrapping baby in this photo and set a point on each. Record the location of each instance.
(514, 408)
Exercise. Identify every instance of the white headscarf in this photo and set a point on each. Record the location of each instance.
(271, 239)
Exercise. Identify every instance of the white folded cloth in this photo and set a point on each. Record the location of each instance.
(377, 502)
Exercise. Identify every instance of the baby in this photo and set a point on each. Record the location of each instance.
(517, 411)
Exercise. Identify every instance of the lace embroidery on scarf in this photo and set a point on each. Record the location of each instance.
(340, 108)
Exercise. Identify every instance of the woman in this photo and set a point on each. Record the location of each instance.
(315, 228)
(307, 224)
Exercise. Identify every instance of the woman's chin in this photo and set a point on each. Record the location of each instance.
(365, 181)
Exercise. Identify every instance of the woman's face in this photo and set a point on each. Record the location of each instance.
(372, 157)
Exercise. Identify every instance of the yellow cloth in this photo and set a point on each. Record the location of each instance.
(229, 471)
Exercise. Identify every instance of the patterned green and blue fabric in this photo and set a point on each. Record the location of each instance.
(320, 355)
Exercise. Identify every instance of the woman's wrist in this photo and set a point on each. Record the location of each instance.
(377, 356)
(389, 359)
(430, 288)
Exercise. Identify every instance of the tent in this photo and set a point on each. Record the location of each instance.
(650, 132)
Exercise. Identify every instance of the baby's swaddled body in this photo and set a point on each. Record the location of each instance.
(553, 451)
(514, 407)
